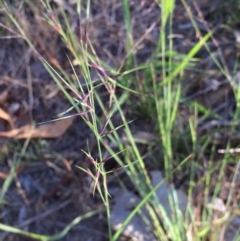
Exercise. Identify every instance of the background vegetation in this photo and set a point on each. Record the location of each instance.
(98, 95)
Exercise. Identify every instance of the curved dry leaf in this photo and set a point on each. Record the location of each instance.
(3, 96)
(4, 175)
(49, 130)
(4, 115)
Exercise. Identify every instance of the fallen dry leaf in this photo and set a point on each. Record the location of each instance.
(4, 115)
(49, 130)
(4, 175)
(3, 96)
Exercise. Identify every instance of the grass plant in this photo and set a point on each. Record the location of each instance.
(158, 98)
